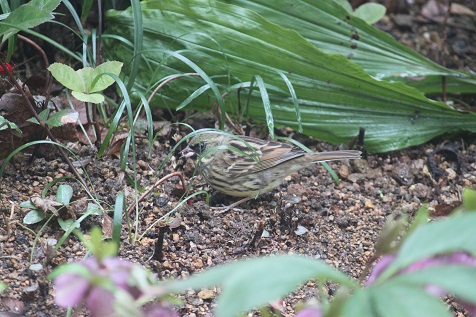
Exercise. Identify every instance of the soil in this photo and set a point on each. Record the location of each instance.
(308, 214)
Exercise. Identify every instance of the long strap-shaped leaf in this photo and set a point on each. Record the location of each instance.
(233, 44)
(334, 31)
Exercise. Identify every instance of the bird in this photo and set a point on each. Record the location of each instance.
(243, 166)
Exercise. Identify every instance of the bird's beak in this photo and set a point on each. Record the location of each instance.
(187, 153)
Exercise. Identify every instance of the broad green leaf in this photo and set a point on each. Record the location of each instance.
(6, 124)
(28, 15)
(94, 209)
(469, 199)
(254, 281)
(458, 280)
(27, 204)
(359, 304)
(66, 224)
(100, 248)
(70, 268)
(64, 194)
(345, 4)
(3, 286)
(455, 233)
(233, 44)
(34, 216)
(330, 28)
(104, 80)
(93, 98)
(405, 300)
(62, 117)
(393, 301)
(43, 116)
(85, 82)
(87, 76)
(67, 76)
(370, 12)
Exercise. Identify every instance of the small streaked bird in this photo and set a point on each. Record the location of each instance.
(242, 166)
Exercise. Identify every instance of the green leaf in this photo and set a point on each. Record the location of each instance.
(234, 44)
(86, 81)
(345, 4)
(254, 281)
(87, 76)
(28, 15)
(469, 199)
(93, 98)
(455, 233)
(3, 287)
(62, 117)
(99, 248)
(43, 116)
(393, 301)
(67, 76)
(359, 304)
(330, 28)
(5, 124)
(34, 216)
(458, 280)
(64, 194)
(71, 268)
(103, 80)
(66, 224)
(406, 300)
(370, 12)
(94, 209)
(27, 204)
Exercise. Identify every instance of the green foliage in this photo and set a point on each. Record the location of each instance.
(254, 282)
(370, 12)
(5, 124)
(27, 16)
(85, 83)
(99, 248)
(336, 97)
(58, 118)
(3, 286)
(437, 237)
(469, 200)
(328, 27)
(42, 207)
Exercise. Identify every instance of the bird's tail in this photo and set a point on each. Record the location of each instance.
(335, 155)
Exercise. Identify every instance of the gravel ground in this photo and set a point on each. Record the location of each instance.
(309, 214)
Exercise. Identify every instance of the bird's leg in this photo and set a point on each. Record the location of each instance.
(220, 210)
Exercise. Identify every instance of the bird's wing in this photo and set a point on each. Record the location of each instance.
(263, 155)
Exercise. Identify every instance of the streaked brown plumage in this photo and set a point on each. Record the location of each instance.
(259, 168)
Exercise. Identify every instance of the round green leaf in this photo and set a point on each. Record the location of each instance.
(33, 217)
(67, 76)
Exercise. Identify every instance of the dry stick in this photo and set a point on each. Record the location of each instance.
(42, 123)
(179, 174)
(238, 130)
(45, 61)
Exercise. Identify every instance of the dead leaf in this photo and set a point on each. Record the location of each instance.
(47, 205)
(115, 149)
(107, 226)
(460, 9)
